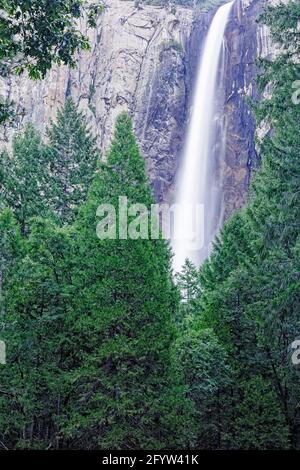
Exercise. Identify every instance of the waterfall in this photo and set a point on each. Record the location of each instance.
(196, 189)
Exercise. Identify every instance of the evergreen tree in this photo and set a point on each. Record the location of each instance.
(188, 281)
(250, 285)
(88, 327)
(73, 158)
(24, 182)
(89, 312)
(126, 397)
(204, 364)
(52, 180)
(35, 328)
(10, 250)
(259, 422)
(36, 283)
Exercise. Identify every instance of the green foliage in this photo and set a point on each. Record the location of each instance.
(173, 45)
(72, 161)
(188, 282)
(49, 180)
(283, 20)
(259, 422)
(10, 249)
(129, 299)
(88, 326)
(204, 364)
(24, 180)
(36, 285)
(100, 353)
(7, 113)
(34, 35)
(35, 329)
(250, 285)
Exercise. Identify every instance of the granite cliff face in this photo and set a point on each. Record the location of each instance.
(245, 42)
(136, 63)
(144, 60)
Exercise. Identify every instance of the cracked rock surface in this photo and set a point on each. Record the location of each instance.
(144, 60)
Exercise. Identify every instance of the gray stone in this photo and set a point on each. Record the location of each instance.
(144, 60)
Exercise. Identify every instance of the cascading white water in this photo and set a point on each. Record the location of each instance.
(195, 177)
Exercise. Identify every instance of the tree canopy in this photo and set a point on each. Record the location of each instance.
(34, 35)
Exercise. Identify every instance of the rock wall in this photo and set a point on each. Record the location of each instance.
(136, 63)
(246, 41)
(144, 60)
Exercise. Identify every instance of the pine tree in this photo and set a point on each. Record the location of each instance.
(88, 328)
(24, 182)
(73, 158)
(34, 326)
(205, 366)
(125, 395)
(259, 422)
(250, 285)
(188, 282)
(52, 180)
(10, 250)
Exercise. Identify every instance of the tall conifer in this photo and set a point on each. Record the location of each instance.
(73, 157)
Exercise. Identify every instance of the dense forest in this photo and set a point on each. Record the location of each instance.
(105, 348)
